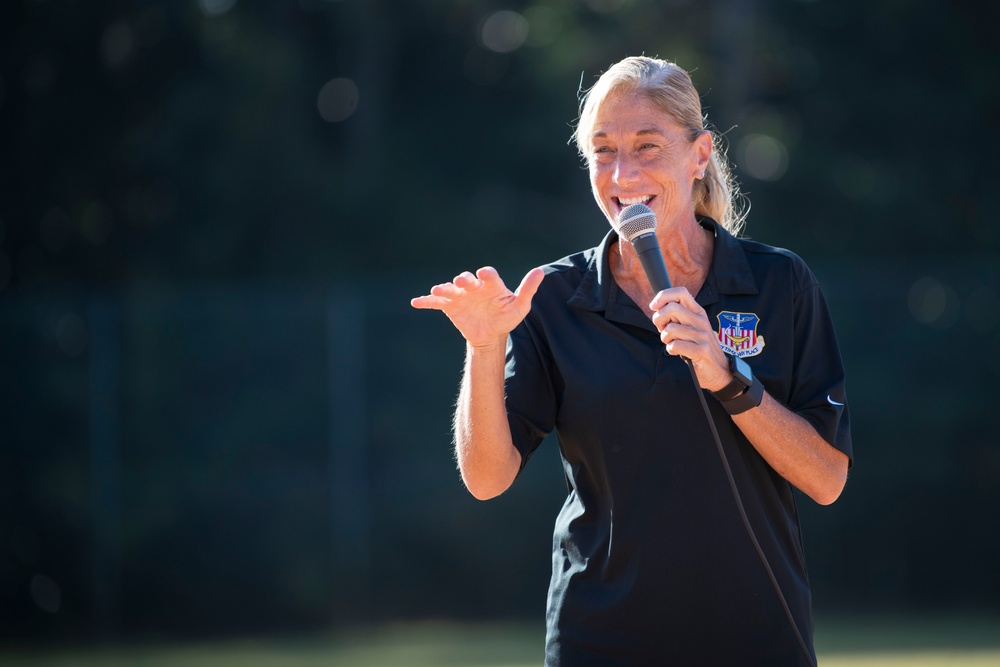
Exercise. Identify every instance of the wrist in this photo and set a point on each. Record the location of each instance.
(740, 379)
(487, 347)
(744, 392)
(748, 399)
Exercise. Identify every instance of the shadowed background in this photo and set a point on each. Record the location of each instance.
(219, 415)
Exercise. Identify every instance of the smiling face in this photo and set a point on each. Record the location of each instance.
(637, 154)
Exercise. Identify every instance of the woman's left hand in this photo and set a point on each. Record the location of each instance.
(685, 330)
(787, 442)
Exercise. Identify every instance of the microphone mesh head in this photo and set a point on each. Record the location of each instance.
(634, 220)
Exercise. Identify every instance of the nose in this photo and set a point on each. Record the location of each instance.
(626, 169)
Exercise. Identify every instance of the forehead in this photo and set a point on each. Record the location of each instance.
(631, 114)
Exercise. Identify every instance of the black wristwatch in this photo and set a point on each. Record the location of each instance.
(744, 392)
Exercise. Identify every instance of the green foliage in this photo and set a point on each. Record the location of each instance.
(179, 142)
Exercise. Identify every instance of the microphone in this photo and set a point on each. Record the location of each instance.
(637, 225)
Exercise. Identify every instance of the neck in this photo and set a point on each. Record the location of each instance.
(687, 252)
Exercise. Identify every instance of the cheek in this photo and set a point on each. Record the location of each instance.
(595, 178)
(597, 184)
(599, 173)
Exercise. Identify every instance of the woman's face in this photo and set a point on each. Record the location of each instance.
(638, 154)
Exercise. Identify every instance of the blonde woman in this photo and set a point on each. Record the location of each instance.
(652, 561)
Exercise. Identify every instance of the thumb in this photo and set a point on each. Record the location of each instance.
(529, 284)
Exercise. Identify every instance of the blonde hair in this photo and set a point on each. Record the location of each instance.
(670, 88)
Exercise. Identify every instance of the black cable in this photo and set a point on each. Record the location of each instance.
(743, 515)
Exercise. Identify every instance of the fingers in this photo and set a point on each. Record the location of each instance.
(428, 302)
(442, 294)
(678, 295)
(683, 325)
(676, 305)
(464, 283)
(480, 306)
(689, 342)
(467, 281)
(439, 297)
(487, 274)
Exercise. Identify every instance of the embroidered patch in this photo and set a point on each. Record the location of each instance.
(738, 334)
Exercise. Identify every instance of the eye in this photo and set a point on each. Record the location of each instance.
(602, 153)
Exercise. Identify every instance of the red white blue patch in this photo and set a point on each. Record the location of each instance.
(738, 334)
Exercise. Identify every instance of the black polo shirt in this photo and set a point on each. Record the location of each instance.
(651, 563)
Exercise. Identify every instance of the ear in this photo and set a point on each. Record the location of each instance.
(703, 151)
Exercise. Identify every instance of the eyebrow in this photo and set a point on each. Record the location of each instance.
(639, 133)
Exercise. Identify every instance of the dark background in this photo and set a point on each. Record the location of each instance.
(220, 416)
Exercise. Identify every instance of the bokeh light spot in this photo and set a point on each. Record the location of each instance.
(46, 593)
(504, 31)
(933, 303)
(216, 7)
(96, 222)
(763, 157)
(117, 43)
(337, 100)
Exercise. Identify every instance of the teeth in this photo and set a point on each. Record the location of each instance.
(634, 200)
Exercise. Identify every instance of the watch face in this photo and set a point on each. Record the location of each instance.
(742, 371)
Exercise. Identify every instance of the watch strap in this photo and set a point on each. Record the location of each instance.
(736, 386)
(748, 400)
(730, 391)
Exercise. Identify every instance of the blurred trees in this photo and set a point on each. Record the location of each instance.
(162, 140)
(149, 149)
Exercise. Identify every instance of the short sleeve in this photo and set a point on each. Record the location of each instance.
(528, 388)
(818, 391)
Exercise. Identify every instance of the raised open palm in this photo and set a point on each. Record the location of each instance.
(480, 306)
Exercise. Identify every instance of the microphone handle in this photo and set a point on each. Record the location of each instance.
(647, 247)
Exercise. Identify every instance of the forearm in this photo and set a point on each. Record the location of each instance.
(795, 450)
(486, 455)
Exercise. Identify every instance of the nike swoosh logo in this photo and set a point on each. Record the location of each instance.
(833, 402)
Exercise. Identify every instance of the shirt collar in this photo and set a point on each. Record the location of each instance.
(729, 274)
(730, 271)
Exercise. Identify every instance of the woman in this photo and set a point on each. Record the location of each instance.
(651, 561)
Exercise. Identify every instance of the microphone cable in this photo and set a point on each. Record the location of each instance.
(637, 224)
(743, 515)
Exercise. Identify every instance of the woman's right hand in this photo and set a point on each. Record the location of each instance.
(480, 306)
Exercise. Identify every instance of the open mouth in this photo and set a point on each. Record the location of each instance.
(624, 202)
